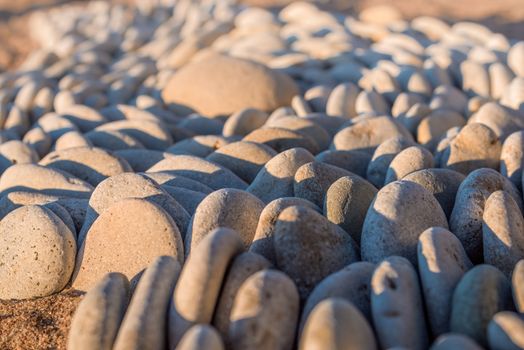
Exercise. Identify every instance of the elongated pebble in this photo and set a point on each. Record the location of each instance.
(455, 341)
(144, 324)
(396, 305)
(502, 232)
(442, 262)
(408, 161)
(512, 158)
(97, 318)
(506, 331)
(517, 279)
(198, 288)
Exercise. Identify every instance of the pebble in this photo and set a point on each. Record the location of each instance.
(502, 232)
(481, 293)
(475, 146)
(353, 161)
(37, 178)
(249, 85)
(201, 337)
(398, 215)
(113, 240)
(265, 312)
(263, 240)
(367, 134)
(506, 331)
(231, 208)
(466, 218)
(408, 161)
(242, 267)
(281, 139)
(112, 140)
(89, 164)
(346, 203)
(442, 262)
(336, 324)
(245, 159)
(38, 252)
(382, 158)
(201, 170)
(342, 101)
(129, 185)
(455, 341)
(516, 282)
(104, 304)
(396, 305)
(512, 158)
(352, 284)
(198, 288)
(276, 179)
(144, 323)
(308, 247)
(244, 121)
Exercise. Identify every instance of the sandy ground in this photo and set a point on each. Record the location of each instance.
(43, 323)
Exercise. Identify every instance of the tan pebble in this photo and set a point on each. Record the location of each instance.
(90, 164)
(201, 337)
(367, 134)
(371, 102)
(275, 179)
(515, 58)
(304, 126)
(112, 140)
(145, 323)
(198, 169)
(408, 161)
(502, 120)
(71, 139)
(450, 98)
(476, 146)
(352, 161)
(336, 324)
(39, 140)
(142, 159)
(200, 146)
(178, 181)
(432, 127)
(242, 267)
(517, 278)
(231, 208)
(44, 180)
(500, 77)
(198, 288)
(308, 247)
(114, 241)
(152, 135)
(85, 118)
(263, 241)
(55, 125)
(97, 318)
(244, 121)
(37, 255)
(506, 331)
(265, 312)
(245, 159)
(281, 139)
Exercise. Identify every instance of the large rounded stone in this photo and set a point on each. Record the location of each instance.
(37, 253)
(115, 242)
(221, 85)
(400, 212)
